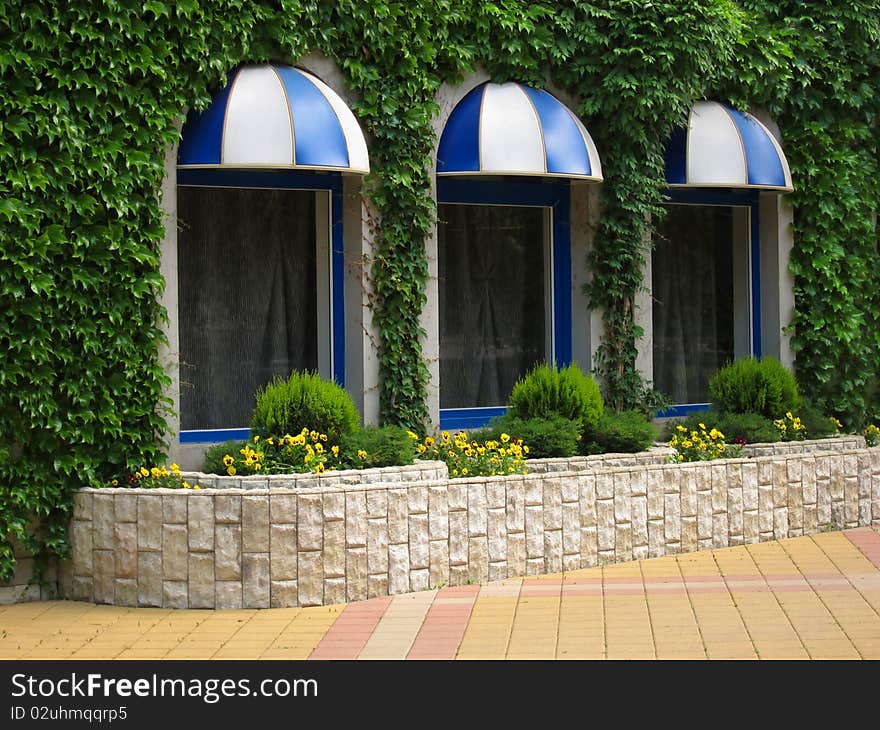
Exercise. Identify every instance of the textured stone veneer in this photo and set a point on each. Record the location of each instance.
(233, 547)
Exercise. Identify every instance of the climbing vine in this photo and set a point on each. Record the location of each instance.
(94, 93)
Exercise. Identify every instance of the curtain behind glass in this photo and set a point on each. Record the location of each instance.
(492, 301)
(692, 279)
(247, 297)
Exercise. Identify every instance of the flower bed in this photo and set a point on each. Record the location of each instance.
(344, 539)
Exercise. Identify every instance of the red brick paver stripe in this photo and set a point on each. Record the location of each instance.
(444, 626)
(868, 541)
(352, 629)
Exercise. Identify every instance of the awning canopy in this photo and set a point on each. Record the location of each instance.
(513, 129)
(275, 117)
(725, 148)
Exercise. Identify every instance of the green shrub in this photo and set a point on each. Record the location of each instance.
(546, 392)
(755, 386)
(214, 463)
(627, 432)
(374, 446)
(304, 400)
(546, 437)
(818, 424)
(749, 428)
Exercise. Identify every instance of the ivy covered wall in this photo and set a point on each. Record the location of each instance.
(94, 92)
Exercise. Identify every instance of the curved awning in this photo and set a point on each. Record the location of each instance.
(724, 148)
(274, 117)
(513, 129)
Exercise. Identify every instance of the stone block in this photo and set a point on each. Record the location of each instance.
(553, 550)
(571, 529)
(149, 578)
(310, 578)
(377, 503)
(439, 522)
(534, 531)
(334, 508)
(105, 576)
(175, 594)
(605, 518)
(417, 500)
(356, 573)
(334, 549)
(174, 508)
(398, 569)
(310, 523)
(377, 585)
(255, 580)
(284, 594)
(228, 594)
(439, 553)
(377, 546)
(125, 507)
(200, 525)
(477, 516)
(516, 553)
(282, 507)
(516, 502)
(283, 552)
(334, 591)
(355, 519)
(458, 534)
(104, 522)
(227, 553)
(125, 549)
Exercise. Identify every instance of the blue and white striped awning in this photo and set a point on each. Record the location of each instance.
(513, 129)
(275, 117)
(725, 148)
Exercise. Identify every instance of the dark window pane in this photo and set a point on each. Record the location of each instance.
(692, 278)
(492, 301)
(247, 297)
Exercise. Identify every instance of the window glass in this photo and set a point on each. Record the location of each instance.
(493, 317)
(693, 299)
(247, 297)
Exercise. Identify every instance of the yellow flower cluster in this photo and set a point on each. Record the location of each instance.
(466, 457)
(700, 444)
(791, 428)
(872, 435)
(306, 451)
(156, 477)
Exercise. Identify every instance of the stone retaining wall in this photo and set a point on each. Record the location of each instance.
(233, 547)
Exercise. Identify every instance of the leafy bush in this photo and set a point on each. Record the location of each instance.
(755, 386)
(546, 392)
(304, 400)
(546, 437)
(818, 424)
(746, 428)
(213, 463)
(627, 432)
(467, 457)
(374, 446)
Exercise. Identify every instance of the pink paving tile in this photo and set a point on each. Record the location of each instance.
(444, 626)
(867, 540)
(352, 629)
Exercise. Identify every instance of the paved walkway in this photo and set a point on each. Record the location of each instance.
(812, 597)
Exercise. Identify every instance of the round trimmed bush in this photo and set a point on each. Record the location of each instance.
(304, 400)
(757, 386)
(567, 392)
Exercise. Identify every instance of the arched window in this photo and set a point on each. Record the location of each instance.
(259, 251)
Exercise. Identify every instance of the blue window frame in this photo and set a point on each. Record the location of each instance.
(285, 180)
(733, 198)
(551, 193)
